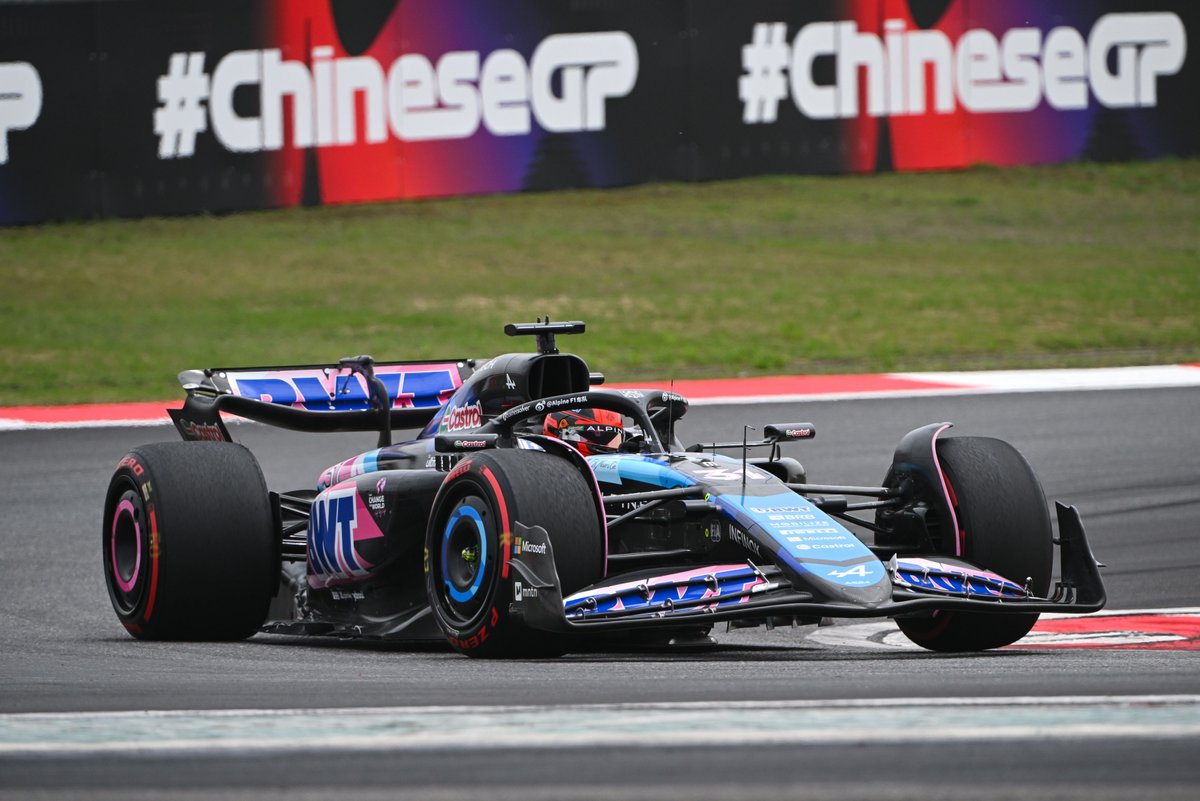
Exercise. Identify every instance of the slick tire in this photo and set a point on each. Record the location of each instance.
(472, 522)
(1005, 527)
(189, 546)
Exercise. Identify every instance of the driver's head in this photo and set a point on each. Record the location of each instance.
(591, 431)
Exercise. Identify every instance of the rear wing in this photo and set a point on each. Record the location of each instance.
(355, 395)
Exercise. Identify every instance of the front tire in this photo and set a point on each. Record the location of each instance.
(188, 542)
(467, 579)
(1004, 526)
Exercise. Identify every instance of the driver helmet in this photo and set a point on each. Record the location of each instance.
(590, 431)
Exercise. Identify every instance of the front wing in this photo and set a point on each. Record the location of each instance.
(746, 591)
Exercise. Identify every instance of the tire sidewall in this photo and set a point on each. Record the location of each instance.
(207, 552)
(473, 478)
(519, 487)
(129, 503)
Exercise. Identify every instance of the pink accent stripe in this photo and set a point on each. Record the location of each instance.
(959, 544)
(126, 507)
(367, 528)
(599, 496)
(666, 578)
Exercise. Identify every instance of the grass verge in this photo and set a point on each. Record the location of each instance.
(1080, 264)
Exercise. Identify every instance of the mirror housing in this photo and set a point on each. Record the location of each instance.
(789, 432)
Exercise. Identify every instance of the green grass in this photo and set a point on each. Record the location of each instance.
(1070, 265)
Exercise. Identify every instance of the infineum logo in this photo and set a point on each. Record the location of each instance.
(1119, 62)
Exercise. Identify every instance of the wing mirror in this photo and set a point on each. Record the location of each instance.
(789, 432)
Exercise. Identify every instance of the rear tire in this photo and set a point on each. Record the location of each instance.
(188, 542)
(473, 518)
(1005, 527)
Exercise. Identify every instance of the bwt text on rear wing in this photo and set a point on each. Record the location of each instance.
(357, 394)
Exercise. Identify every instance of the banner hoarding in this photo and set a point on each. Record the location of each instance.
(137, 108)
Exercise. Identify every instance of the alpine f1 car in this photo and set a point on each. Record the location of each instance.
(494, 530)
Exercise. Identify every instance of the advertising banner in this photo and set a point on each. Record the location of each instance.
(139, 108)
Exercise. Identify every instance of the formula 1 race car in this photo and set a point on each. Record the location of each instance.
(496, 531)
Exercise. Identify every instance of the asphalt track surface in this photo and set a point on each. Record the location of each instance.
(855, 723)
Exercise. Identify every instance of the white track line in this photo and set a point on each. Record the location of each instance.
(606, 725)
(1150, 377)
(1165, 376)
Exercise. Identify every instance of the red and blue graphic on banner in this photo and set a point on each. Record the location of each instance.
(126, 109)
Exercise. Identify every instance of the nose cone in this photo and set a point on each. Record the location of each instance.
(822, 556)
(865, 583)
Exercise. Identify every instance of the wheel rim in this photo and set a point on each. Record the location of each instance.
(126, 543)
(466, 558)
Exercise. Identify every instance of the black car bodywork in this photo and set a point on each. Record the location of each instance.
(486, 532)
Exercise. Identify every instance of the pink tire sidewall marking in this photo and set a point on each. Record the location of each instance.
(125, 507)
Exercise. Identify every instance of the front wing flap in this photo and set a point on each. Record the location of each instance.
(746, 591)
